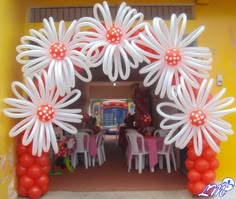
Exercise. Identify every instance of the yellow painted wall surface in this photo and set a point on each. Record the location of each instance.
(220, 34)
(12, 26)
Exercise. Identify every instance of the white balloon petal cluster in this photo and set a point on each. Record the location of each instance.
(198, 116)
(172, 55)
(109, 44)
(55, 52)
(39, 110)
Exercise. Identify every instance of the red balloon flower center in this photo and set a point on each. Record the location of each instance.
(45, 113)
(173, 57)
(114, 35)
(198, 118)
(58, 51)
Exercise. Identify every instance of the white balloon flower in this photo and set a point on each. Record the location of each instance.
(198, 116)
(56, 52)
(109, 44)
(40, 109)
(171, 55)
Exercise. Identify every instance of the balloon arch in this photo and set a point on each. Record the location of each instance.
(52, 57)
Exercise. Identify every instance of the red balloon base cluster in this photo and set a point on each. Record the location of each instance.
(201, 169)
(32, 172)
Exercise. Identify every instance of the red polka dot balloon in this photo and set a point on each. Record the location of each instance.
(45, 113)
(173, 57)
(146, 119)
(197, 117)
(58, 51)
(114, 35)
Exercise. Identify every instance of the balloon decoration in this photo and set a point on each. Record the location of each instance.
(54, 52)
(114, 37)
(146, 119)
(118, 46)
(201, 169)
(173, 57)
(85, 117)
(39, 110)
(32, 171)
(198, 117)
(140, 99)
(197, 125)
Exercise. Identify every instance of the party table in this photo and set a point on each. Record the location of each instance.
(92, 146)
(153, 145)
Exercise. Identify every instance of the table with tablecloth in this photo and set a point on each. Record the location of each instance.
(152, 145)
(92, 146)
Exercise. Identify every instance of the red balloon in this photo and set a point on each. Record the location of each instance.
(20, 170)
(193, 175)
(26, 160)
(191, 154)
(26, 181)
(42, 180)
(202, 165)
(35, 192)
(29, 149)
(21, 149)
(189, 163)
(214, 164)
(34, 171)
(46, 169)
(217, 141)
(208, 177)
(209, 154)
(45, 189)
(43, 160)
(190, 144)
(205, 144)
(22, 191)
(190, 186)
(198, 187)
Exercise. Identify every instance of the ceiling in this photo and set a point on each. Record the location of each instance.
(98, 75)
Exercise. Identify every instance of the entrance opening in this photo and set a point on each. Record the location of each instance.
(98, 100)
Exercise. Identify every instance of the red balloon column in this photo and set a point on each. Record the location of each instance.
(32, 172)
(140, 99)
(201, 169)
(146, 120)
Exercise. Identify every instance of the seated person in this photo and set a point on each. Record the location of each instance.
(130, 120)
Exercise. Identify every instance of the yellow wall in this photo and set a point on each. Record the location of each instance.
(220, 34)
(12, 27)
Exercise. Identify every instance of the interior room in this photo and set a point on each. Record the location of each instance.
(102, 99)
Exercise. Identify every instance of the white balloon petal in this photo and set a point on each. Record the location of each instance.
(37, 125)
(172, 55)
(56, 52)
(199, 117)
(113, 39)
